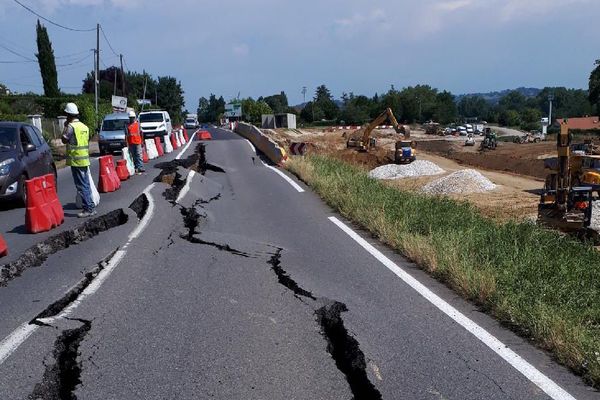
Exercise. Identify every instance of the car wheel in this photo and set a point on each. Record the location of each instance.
(22, 190)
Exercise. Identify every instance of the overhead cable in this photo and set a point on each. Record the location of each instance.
(52, 22)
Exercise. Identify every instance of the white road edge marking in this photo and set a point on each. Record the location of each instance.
(186, 146)
(550, 387)
(186, 187)
(12, 342)
(284, 176)
(251, 145)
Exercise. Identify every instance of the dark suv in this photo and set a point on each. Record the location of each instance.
(24, 154)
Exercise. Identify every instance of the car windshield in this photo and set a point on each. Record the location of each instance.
(114, 124)
(190, 120)
(152, 117)
(8, 138)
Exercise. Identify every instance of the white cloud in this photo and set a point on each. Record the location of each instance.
(520, 9)
(240, 50)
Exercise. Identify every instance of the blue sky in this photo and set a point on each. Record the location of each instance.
(260, 47)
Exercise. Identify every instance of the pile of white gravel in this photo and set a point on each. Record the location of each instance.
(463, 181)
(415, 169)
(595, 222)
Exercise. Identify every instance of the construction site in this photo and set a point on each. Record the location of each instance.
(504, 183)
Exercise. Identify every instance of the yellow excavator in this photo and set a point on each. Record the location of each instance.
(563, 204)
(404, 149)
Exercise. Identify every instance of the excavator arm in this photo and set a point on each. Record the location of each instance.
(366, 135)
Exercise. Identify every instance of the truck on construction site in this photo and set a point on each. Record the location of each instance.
(404, 149)
(490, 140)
(433, 128)
(566, 200)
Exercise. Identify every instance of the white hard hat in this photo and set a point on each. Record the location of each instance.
(71, 108)
(132, 114)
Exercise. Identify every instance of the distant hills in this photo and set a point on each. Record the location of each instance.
(494, 97)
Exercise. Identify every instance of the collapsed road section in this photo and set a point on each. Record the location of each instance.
(36, 255)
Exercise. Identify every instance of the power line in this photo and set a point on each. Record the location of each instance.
(16, 53)
(75, 62)
(108, 42)
(52, 22)
(16, 62)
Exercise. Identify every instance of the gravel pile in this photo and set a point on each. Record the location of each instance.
(414, 169)
(595, 222)
(463, 181)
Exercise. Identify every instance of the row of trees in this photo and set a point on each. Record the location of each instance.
(422, 103)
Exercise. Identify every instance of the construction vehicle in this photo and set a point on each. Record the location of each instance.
(490, 141)
(405, 152)
(470, 140)
(365, 141)
(563, 205)
(433, 128)
(529, 138)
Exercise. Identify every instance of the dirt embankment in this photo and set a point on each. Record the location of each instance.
(521, 159)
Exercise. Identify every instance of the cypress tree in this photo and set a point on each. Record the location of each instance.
(46, 61)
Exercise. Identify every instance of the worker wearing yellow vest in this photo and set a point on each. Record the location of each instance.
(134, 140)
(76, 136)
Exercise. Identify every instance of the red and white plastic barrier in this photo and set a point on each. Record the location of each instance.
(168, 145)
(44, 210)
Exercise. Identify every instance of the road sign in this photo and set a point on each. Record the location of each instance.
(233, 110)
(119, 103)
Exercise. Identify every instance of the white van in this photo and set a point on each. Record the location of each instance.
(155, 123)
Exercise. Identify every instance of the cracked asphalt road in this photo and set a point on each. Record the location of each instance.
(244, 290)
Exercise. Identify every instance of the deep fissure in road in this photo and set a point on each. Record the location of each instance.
(284, 278)
(170, 175)
(59, 305)
(140, 205)
(39, 253)
(62, 378)
(346, 351)
(191, 220)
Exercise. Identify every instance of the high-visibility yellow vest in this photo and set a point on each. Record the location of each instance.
(78, 155)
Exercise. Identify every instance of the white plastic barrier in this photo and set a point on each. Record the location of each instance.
(130, 165)
(181, 137)
(177, 139)
(151, 149)
(95, 194)
(168, 147)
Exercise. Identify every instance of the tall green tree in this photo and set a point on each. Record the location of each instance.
(445, 108)
(594, 87)
(325, 107)
(170, 97)
(45, 56)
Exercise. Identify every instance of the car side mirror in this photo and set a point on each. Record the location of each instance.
(30, 147)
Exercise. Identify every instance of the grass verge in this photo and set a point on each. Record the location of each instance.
(543, 285)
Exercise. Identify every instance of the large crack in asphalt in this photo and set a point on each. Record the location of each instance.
(140, 205)
(62, 378)
(170, 175)
(36, 255)
(58, 306)
(341, 345)
(285, 279)
(345, 350)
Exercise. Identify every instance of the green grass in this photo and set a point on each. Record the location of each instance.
(544, 285)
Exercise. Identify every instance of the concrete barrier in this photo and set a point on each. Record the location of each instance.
(151, 149)
(168, 145)
(262, 142)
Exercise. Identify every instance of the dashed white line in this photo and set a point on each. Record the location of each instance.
(12, 342)
(550, 387)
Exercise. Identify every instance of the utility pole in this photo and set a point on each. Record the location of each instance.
(550, 99)
(97, 69)
(115, 84)
(122, 77)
